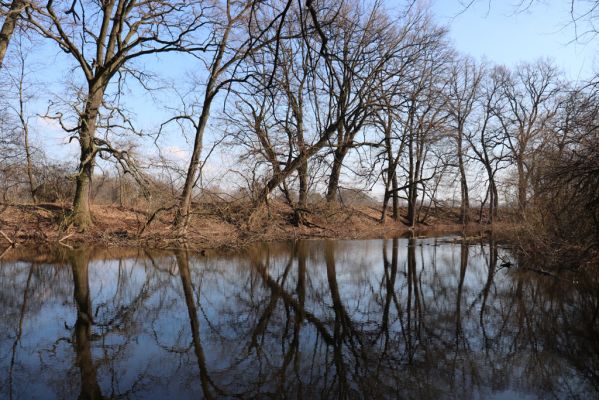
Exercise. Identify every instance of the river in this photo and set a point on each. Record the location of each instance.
(417, 318)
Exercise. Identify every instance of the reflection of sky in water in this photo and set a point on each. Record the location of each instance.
(247, 307)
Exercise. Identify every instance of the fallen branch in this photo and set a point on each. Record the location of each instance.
(12, 243)
(66, 245)
(154, 215)
(65, 237)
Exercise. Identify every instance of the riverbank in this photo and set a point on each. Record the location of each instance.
(220, 225)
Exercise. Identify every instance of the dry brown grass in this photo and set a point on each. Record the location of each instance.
(215, 225)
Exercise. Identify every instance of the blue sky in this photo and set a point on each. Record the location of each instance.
(495, 30)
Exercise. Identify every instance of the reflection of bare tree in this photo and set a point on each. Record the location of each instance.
(183, 263)
(295, 314)
(491, 267)
(390, 276)
(413, 316)
(343, 327)
(293, 353)
(290, 301)
(19, 332)
(458, 314)
(90, 389)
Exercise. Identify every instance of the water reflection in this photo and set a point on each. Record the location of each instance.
(79, 260)
(399, 318)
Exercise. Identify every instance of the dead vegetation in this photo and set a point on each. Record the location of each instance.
(214, 224)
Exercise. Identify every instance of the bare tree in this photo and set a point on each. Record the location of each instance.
(238, 29)
(423, 120)
(394, 99)
(103, 39)
(23, 91)
(363, 44)
(486, 139)
(530, 94)
(567, 180)
(463, 90)
(285, 114)
(279, 111)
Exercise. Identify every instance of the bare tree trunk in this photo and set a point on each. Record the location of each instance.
(303, 184)
(412, 189)
(522, 185)
(495, 210)
(302, 170)
(333, 185)
(81, 215)
(395, 186)
(299, 212)
(392, 163)
(493, 197)
(391, 194)
(390, 170)
(385, 204)
(297, 104)
(29, 163)
(8, 27)
(25, 127)
(465, 204)
(183, 211)
(182, 215)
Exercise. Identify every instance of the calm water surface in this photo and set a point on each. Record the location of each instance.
(398, 318)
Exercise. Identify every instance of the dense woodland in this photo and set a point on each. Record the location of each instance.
(316, 101)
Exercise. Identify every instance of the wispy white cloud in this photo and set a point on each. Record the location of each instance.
(175, 152)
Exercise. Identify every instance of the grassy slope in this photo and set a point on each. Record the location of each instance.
(215, 225)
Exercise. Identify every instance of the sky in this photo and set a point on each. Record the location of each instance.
(495, 30)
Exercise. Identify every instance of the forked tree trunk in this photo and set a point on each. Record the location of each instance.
(391, 194)
(291, 167)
